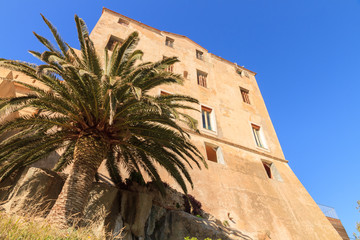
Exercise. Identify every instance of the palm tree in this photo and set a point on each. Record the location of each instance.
(97, 111)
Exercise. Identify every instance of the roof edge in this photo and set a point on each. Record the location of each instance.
(179, 35)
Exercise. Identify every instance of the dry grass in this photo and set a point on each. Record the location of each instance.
(15, 227)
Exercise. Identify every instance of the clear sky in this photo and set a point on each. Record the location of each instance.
(306, 54)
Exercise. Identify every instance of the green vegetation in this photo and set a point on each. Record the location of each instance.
(14, 228)
(97, 110)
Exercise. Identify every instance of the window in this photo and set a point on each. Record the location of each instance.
(199, 55)
(271, 170)
(214, 153)
(267, 167)
(201, 78)
(245, 95)
(112, 43)
(123, 21)
(259, 139)
(186, 74)
(207, 116)
(169, 42)
(170, 68)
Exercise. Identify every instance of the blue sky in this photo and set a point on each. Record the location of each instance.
(306, 53)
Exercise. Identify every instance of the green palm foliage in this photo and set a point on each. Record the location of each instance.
(97, 110)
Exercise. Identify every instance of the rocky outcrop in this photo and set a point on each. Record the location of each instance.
(35, 191)
(8, 184)
(136, 213)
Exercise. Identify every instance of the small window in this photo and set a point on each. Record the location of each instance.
(258, 136)
(123, 21)
(169, 68)
(186, 74)
(214, 153)
(267, 167)
(169, 42)
(245, 95)
(113, 41)
(271, 170)
(207, 116)
(199, 55)
(201, 78)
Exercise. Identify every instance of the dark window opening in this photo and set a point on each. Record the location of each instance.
(211, 152)
(123, 21)
(169, 42)
(267, 167)
(201, 78)
(199, 55)
(245, 95)
(113, 41)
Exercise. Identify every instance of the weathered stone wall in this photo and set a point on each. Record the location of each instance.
(238, 191)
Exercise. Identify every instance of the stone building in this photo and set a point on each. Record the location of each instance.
(249, 184)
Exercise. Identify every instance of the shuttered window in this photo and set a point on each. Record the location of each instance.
(201, 78)
(245, 95)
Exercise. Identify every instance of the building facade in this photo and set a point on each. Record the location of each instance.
(249, 183)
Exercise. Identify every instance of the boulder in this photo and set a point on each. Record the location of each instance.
(102, 209)
(35, 192)
(135, 210)
(7, 185)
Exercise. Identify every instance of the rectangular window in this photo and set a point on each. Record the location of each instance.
(201, 78)
(257, 135)
(245, 95)
(169, 42)
(214, 153)
(123, 21)
(113, 41)
(169, 68)
(206, 118)
(199, 55)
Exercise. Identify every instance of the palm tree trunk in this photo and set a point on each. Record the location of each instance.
(88, 155)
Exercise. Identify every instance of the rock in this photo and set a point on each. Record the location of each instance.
(155, 215)
(135, 210)
(117, 231)
(8, 184)
(102, 208)
(176, 225)
(35, 192)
